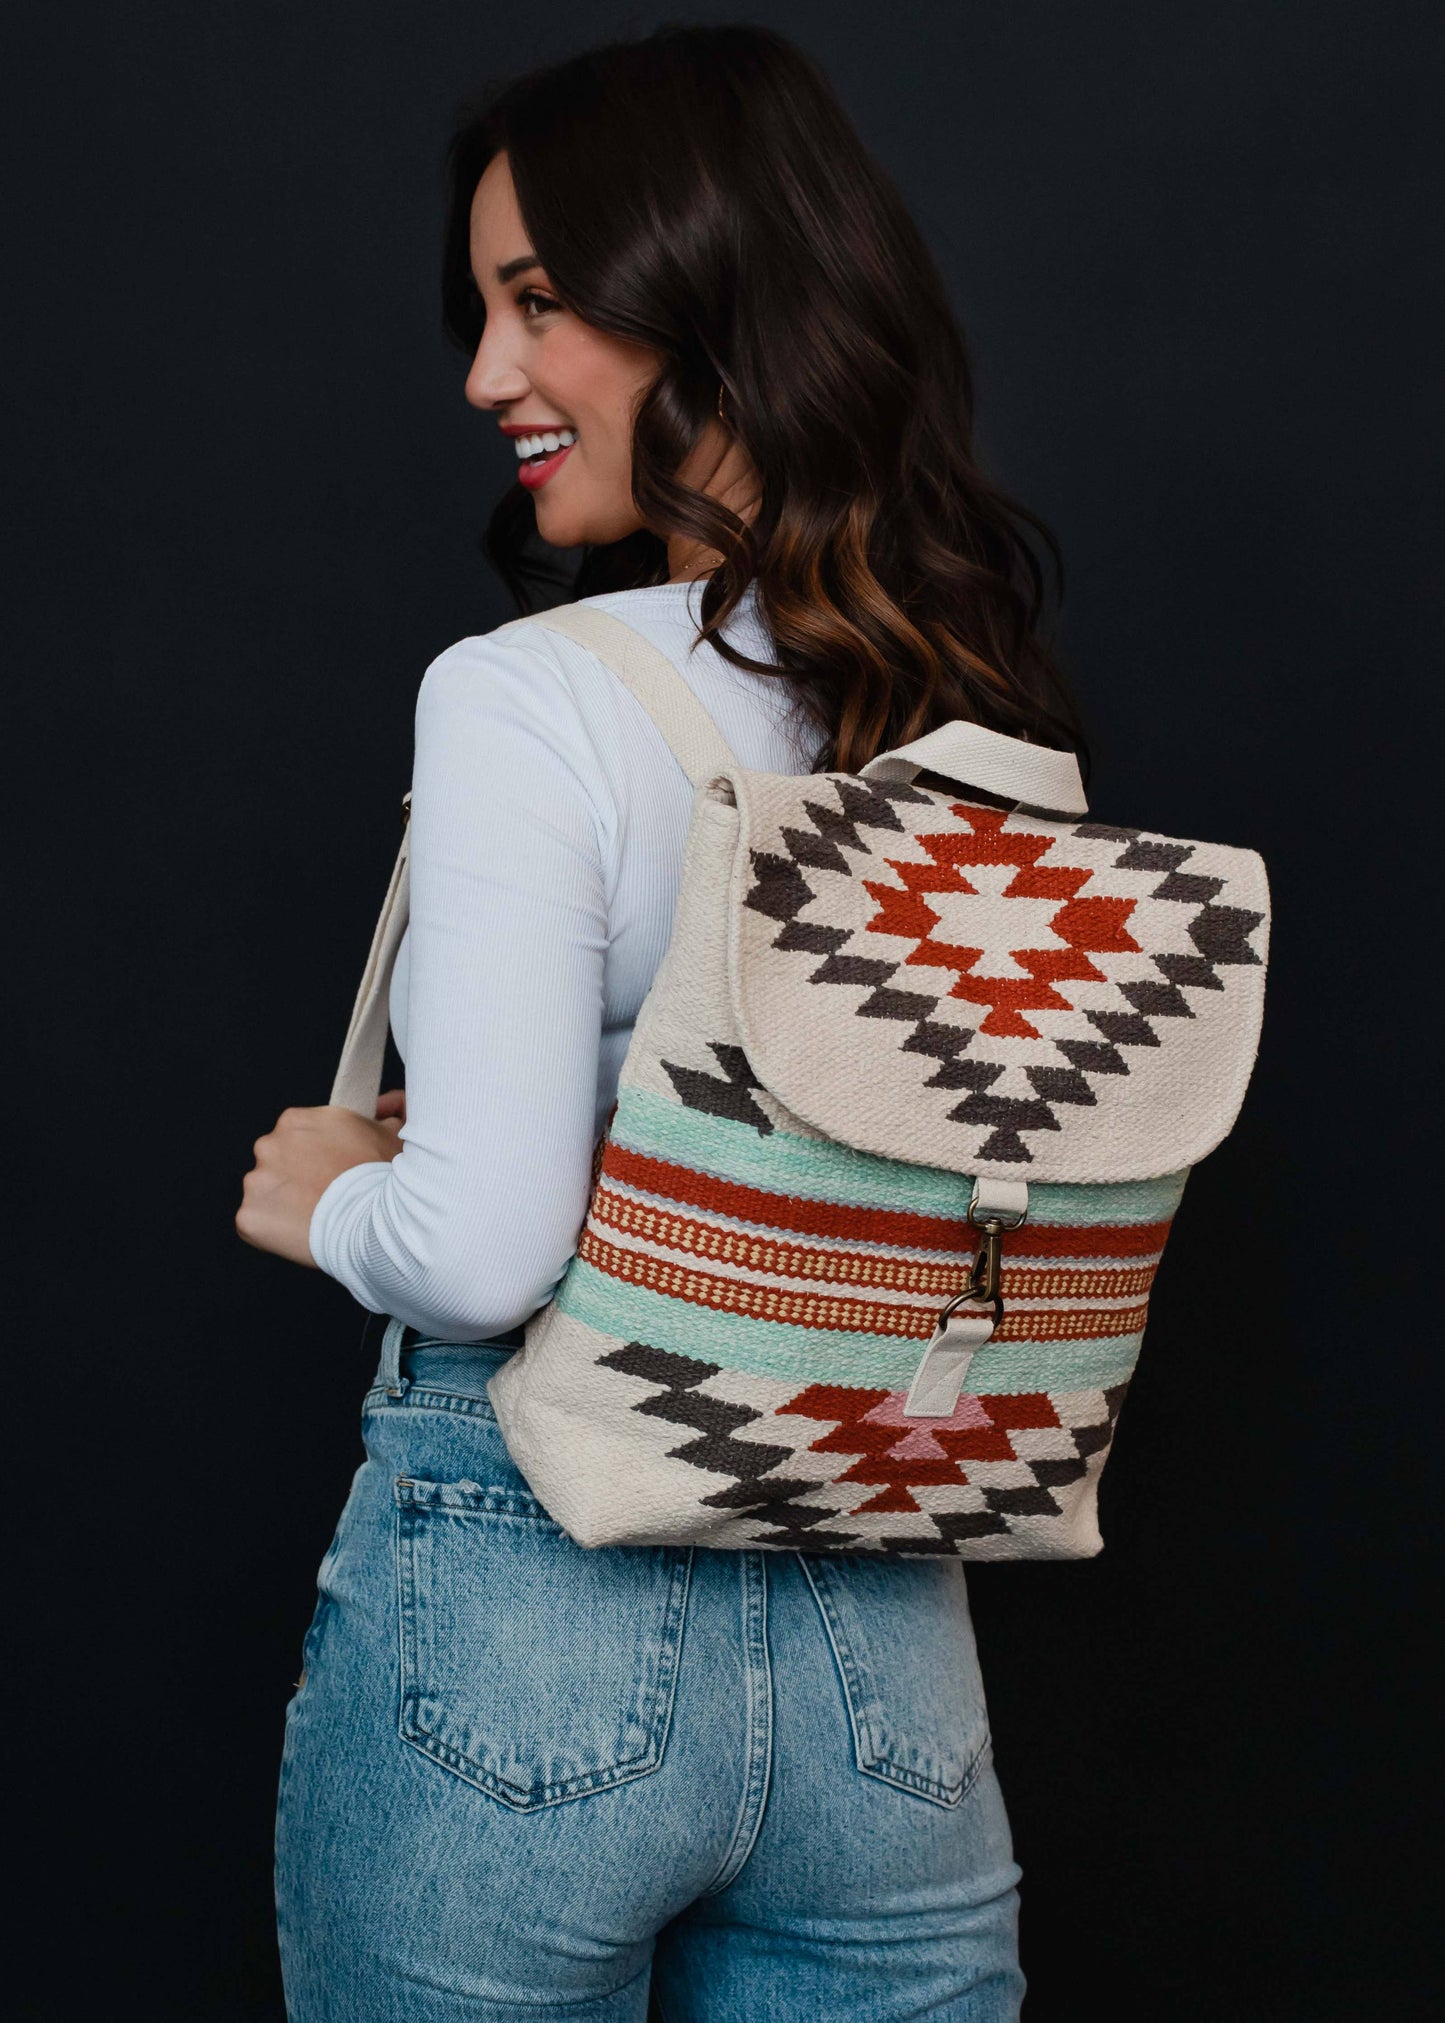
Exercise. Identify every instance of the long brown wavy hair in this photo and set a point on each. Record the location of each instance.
(702, 191)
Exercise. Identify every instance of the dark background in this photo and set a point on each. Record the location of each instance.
(1186, 243)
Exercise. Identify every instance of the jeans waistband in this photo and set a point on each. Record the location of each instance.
(403, 1353)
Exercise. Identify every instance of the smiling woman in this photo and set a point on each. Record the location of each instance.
(769, 386)
(525, 1774)
(568, 394)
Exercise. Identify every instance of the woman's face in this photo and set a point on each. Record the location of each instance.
(542, 370)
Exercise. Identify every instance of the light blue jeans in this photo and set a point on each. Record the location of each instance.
(524, 1779)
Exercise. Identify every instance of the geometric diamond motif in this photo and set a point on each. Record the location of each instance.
(1011, 1452)
(1056, 961)
(977, 1442)
(1007, 981)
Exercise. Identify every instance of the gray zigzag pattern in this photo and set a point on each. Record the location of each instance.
(722, 1096)
(758, 1492)
(716, 1423)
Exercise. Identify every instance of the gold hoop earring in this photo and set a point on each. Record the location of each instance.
(720, 415)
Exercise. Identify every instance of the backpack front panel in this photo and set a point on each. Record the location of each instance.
(726, 1358)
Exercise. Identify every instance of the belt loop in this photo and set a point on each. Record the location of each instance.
(396, 1385)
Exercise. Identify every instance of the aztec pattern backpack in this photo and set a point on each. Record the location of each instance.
(904, 1121)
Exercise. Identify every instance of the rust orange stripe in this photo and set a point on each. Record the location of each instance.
(1119, 1239)
(832, 1312)
(756, 1250)
(749, 1250)
(905, 1228)
(783, 1211)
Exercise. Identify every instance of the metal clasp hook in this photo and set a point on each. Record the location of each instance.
(996, 1207)
(987, 1269)
(938, 1381)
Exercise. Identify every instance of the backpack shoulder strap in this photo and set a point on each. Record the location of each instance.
(357, 1082)
(694, 739)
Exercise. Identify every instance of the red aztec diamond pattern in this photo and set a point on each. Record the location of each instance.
(1084, 925)
(1008, 1100)
(976, 1450)
(899, 1454)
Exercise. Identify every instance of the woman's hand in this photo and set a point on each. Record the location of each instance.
(298, 1160)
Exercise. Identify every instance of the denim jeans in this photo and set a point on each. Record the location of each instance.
(524, 1779)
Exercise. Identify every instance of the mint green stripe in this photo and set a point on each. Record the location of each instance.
(1105, 1201)
(823, 1170)
(809, 1355)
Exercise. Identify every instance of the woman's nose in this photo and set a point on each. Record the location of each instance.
(492, 380)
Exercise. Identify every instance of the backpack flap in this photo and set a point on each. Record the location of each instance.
(992, 991)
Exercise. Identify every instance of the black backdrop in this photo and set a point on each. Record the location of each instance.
(1185, 242)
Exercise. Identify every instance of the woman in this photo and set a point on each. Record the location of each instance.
(734, 383)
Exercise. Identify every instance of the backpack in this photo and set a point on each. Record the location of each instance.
(898, 1140)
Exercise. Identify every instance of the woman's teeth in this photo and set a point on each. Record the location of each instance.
(544, 444)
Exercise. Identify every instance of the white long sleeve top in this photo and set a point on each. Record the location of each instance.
(548, 818)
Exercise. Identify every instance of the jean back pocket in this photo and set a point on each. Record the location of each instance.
(536, 1668)
(903, 1639)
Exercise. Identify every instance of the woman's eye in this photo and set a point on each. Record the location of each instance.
(532, 299)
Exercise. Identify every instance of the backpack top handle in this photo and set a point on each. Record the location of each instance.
(1033, 776)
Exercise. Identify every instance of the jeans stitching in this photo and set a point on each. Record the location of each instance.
(674, 1634)
(420, 1398)
(758, 1772)
(657, 1705)
(450, 1498)
(867, 1749)
(843, 1658)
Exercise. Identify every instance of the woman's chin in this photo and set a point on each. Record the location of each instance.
(559, 528)
(567, 526)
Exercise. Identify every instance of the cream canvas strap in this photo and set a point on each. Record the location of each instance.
(358, 1075)
(694, 739)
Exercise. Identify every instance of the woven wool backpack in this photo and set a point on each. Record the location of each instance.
(904, 1120)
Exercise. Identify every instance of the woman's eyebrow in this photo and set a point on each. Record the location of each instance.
(518, 266)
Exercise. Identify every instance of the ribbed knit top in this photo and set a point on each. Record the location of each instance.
(548, 819)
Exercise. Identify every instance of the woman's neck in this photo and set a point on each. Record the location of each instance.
(727, 475)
